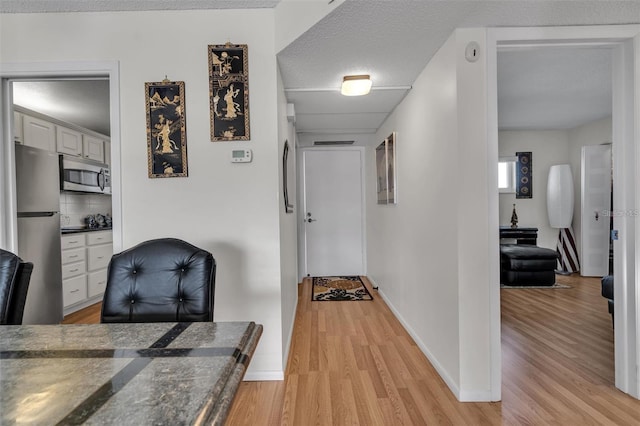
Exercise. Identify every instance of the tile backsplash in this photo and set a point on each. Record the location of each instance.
(75, 207)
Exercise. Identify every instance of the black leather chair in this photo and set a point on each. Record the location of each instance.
(163, 280)
(15, 276)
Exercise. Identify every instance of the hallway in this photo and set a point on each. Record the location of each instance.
(353, 363)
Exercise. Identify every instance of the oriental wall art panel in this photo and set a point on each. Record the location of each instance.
(166, 129)
(229, 92)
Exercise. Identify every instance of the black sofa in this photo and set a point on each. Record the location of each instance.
(607, 292)
(524, 265)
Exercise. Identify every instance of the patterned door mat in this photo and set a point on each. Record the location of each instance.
(339, 288)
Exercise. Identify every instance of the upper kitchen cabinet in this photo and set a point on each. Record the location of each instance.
(17, 128)
(39, 133)
(44, 132)
(72, 142)
(68, 141)
(107, 152)
(93, 148)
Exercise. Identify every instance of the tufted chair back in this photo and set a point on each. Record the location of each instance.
(163, 280)
(14, 284)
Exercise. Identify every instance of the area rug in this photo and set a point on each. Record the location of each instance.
(556, 285)
(339, 288)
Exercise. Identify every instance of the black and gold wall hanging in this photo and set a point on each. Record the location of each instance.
(229, 92)
(166, 129)
(524, 175)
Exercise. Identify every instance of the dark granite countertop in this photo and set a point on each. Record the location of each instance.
(64, 231)
(154, 373)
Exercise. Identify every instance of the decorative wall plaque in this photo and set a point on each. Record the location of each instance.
(524, 175)
(386, 170)
(229, 92)
(166, 129)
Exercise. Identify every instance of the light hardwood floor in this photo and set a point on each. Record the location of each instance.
(353, 363)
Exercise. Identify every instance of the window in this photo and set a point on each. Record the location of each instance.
(507, 174)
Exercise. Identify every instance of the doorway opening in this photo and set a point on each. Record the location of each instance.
(620, 43)
(66, 71)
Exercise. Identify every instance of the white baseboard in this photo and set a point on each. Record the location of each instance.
(287, 347)
(453, 386)
(263, 376)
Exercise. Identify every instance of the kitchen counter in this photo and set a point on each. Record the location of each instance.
(65, 231)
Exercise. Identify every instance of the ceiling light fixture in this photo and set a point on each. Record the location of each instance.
(356, 85)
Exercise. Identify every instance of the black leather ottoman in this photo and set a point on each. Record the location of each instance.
(522, 264)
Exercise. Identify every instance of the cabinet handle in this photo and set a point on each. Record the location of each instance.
(73, 257)
(75, 291)
(73, 242)
(100, 257)
(74, 270)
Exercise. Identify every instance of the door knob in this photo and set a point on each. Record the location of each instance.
(597, 216)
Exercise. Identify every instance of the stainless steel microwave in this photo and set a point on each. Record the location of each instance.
(77, 174)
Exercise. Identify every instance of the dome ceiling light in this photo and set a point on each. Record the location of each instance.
(356, 85)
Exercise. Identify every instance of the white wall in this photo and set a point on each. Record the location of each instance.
(288, 224)
(428, 254)
(594, 133)
(229, 209)
(548, 147)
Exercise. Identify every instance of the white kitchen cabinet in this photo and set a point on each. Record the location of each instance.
(68, 141)
(93, 148)
(17, 127)
(74, 290)
(85, 258)
(39, 133)
(96, 283)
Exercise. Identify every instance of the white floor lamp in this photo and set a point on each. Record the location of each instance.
(560, 211)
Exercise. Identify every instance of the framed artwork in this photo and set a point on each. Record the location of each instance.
(386, 170)
(288, 208)
(166, 129)
(524, 175)
(229, 92)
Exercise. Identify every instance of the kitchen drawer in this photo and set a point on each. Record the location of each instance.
(98, 257)
(74, 290)
(74, 255)
(72, 241)
(73, 269)
(99, 237)
(97, 282)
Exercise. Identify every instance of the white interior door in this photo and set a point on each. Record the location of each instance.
(596, 206)
(333, 212)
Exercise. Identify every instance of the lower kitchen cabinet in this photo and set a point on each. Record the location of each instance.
(85, 257)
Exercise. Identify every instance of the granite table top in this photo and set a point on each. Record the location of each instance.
(124, 374)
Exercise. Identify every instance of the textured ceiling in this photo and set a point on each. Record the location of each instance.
(82, 102)
(394, 40)
(553, 88)
(53, 6)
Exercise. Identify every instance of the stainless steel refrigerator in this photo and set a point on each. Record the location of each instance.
(38, 201)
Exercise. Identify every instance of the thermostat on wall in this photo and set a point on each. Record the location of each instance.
(241, 156)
